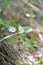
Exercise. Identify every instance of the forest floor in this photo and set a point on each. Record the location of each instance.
(25, 56)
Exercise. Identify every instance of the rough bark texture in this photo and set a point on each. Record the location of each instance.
(8, 55)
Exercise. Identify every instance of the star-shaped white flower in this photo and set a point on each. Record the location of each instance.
(21, 29)
(12, 29)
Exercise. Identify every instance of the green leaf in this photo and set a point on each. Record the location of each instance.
(41, 59)
(13, 39)
(31, 13)
(32, 49)
(13, 23)
(37, 45)
(23, 37)
(1, 22)
(32, 39)
(35, 63)
(42, 21)
(7, 25)
(23, 64)
(4, 5)
(27, 28)
(3, 28)
(26, 44)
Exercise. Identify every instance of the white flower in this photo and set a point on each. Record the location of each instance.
(28, 15)
(21, 30)
(12, 29)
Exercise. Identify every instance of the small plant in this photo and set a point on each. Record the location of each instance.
(19, 32)
(31, 14)
(40, 59)
(30, 44)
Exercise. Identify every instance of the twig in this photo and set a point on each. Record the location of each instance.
(39, 34)
(40, 38)
(7, 37)
(7, 58)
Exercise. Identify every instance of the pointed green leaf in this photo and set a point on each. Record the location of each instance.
(26, 44)
(32, 49)
(32, 39)
(7, 26)
(4, 5)
(31, 13)
(37, 45)
(13, 23)
(27, 29)
(35, 63)
(1, 22)
(23, 37)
